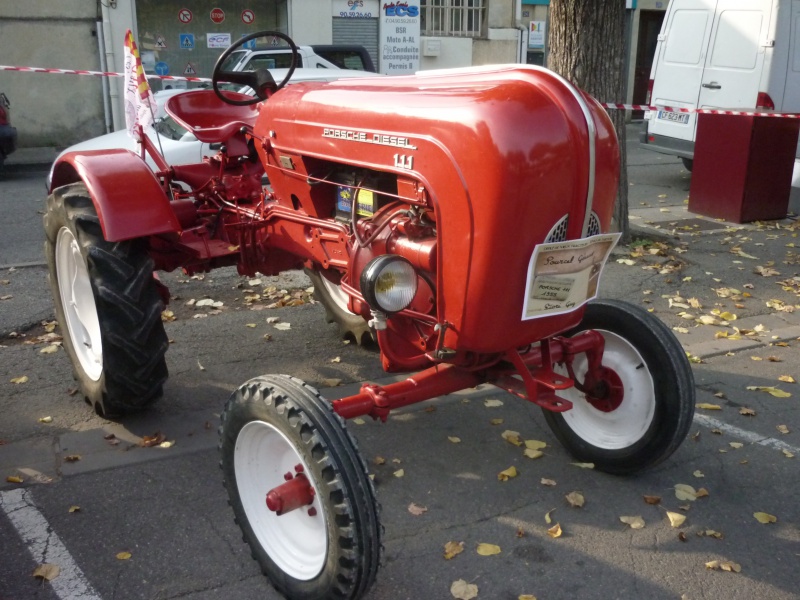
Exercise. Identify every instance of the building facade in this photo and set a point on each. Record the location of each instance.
(185, 37)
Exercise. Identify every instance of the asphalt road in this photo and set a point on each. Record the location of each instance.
(167, 508)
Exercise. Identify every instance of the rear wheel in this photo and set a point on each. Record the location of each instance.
(688, 163)
(334, 300)
(107, 305)
(647, 405)
(282, 448)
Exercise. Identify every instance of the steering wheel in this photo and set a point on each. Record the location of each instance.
(260, 80)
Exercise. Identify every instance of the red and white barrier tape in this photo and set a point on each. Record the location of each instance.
(702, 111)
(608, 105)
(97, 73)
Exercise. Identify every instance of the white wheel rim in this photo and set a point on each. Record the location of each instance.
(628, 423)
(295, 541)
(337, 294)
(80, 312)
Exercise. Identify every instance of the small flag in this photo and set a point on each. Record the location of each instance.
(140, 106)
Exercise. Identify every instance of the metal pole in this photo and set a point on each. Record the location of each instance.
(101, 48)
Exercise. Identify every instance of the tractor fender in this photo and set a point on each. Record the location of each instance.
(127, 196)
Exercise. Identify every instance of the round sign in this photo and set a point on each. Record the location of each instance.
(248, 16)
(218, 15)
(185, 15)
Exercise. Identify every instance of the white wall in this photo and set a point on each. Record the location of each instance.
(310, 21)
(455, 52)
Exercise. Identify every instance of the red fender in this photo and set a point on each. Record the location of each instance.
(126, 194)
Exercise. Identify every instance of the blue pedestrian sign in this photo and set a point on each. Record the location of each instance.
(162, 68)
(187, 41)
(250, 44)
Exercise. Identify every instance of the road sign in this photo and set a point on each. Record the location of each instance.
(249, 44)
(161, 43)
(162, 68)
(187, 41)
(190, 70)
(248, 16)
(185, 15)
(217, 15)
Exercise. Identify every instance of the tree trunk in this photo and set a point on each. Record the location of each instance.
(587, 46)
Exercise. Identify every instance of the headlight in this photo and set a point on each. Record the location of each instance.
(389, 283)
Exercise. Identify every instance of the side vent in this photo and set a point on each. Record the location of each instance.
(559, 231)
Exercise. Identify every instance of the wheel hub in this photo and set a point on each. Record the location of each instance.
(295, 493)
(607, 393)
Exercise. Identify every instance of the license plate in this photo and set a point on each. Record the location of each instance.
(673, 117)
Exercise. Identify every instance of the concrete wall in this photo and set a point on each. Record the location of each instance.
(51, 110)
(455, 52)
(310, 21)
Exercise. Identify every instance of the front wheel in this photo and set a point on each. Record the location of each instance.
(299, 490)
(107, 305)
(334, 300)
(648, 403)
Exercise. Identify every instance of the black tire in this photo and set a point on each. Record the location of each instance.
(351, 326)
(688, 163)
(286, 420)
(658, 395)
(128, 374)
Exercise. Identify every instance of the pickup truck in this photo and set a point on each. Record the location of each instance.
(314, 57)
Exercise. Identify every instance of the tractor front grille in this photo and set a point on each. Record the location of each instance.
(559, 231)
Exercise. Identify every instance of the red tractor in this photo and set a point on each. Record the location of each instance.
(463, 216)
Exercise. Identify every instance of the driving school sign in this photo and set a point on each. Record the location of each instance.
(399, 37)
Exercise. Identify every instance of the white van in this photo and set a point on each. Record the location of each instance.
(729, 54)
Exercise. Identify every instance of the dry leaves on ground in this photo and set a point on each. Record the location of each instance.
(462, 590)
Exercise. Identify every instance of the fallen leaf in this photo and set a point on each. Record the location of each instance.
(765, 518)
(507, 474)
(575, 499)
(379, 460)
(535, 444)
(331, 382)
(496, 421)
(787, 454)
(74, 509)
(46, 420)
(682, 538)
(149, 441)
(251, 325)
(13, 479)
(452, 549)
(782, 428)
(652, 499)
(454, 439)
(736, 445)
(772, 391)
(555, 531)
(711, 533)
(72, 457)
(167, 444)
(199, 366)
(634, 522)
(583, 465)
(337, 359)
(123, 555)
(698, 474)
(488, 549)
(547, 518)
(526, 597)
(533, 453)
(46, 571)
(416, 509)
(52, 348)
(492, 403)
(685, 492)
(282, 326)
(399, 473)
(512, 437)
(787, 379)
(702, 493)
(706, 406)
(462, 590)
(18, 380)
(547, 482)
(359, 421)
(724, 565)
(208, 302)
(747, 412)
(675, 519)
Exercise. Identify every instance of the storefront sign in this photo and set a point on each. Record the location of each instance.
(399, 37)
(355, 9)
(536, 36)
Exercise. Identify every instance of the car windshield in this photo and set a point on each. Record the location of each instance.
(231, 61)
(170, 129)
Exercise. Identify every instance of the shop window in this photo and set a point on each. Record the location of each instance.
(452, 17)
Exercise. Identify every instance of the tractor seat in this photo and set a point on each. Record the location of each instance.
(209, 118)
